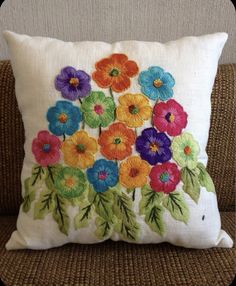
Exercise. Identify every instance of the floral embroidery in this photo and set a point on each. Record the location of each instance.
(170, 117)
(185, 150)
(46, 148)
(98, 110)
(79, 150)
(116, 142)
(103, 175)
(165, 177)
(133, 109)
(153, 147)
(156, 83)
(134, 172)
(64, 118)
(115, 72)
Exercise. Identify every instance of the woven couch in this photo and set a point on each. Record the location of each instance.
(118, 263)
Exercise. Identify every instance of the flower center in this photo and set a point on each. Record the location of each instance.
(187, 150)
(133, 109)
(102, 175)
(165, 177)
(158, 83)
(133, 172)
(117, 140)
(70, 182)
(74, 81)
(154, 147)
(63, 118)
(170, 117)
(46, 148)
(98, 109)
(114, 72)
(80, 148)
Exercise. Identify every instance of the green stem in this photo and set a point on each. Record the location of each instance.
(136, 132)
(111, 93)
(100, 129)
(133, 195)
(80, 100)
(64, 137)
(83, 124)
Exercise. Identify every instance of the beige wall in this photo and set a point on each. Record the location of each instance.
(112, 20)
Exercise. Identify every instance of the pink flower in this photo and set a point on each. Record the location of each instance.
(170, 117)
(46, 148)
(164, 177)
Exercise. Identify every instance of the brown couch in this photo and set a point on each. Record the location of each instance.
(117, 263)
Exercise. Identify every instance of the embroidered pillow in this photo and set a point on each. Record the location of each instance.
(115, 141)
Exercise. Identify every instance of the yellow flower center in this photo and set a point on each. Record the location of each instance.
(133, 172)
(63, 118)
(158, 83)
(74, 81)
(187, 150)
(70, 182)
(154, 147)
(80, 148)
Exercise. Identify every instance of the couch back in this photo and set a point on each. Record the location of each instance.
(221, 146)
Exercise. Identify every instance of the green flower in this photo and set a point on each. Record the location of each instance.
(70, 182)
(98, 110)
(185, 150)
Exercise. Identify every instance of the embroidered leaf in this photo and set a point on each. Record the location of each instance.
(149, 199)
(205, 179)
(103, 205)
(104, 228)
(177, 206)
(29, 195)
(52, 172)
(191, 183)
(60, 215)
(38, 175)
(44, 205)
(154, 218)
(84, 216)
(127, 231)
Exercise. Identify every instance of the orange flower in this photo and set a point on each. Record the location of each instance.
(79, 150)
(115, 72)
(116, 142)
(134, 172)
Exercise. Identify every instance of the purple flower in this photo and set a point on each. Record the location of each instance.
(73, 84)
(153, 147)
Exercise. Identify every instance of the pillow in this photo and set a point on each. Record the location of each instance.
(115, 141)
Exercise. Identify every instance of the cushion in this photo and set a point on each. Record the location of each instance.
(115, 141)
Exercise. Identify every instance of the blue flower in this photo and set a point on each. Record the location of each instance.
(156, 83)
(64, 118)
(102, 175)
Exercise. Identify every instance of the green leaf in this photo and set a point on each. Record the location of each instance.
(103, 205)
(154, 218)
(30, 194)
(104, 228)
(44, 205)
(205, 179)
(127, 231)
(52, 172)
(38, 175)
(191, 182)
(60, 214)
(149, 199)
(176, 205)
(84, 216)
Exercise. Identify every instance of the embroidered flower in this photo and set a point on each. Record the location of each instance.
(103, 175)
(170, 117)
(185, 150)
(116, 142)
(79, 150)
(70, 182)
(153, 147)
(73, 83)
(98, 110)
(115, 72)
(46, 148)
(133, 109)
(156, 83)
(134, 172)
(164, 177)
(64, 118)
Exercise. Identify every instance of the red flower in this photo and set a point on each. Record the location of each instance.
(164, 177)
(46, 148)
(170, 117)
(115, 72)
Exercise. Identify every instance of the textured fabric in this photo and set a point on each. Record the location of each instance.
(223, 103)
(77, 195)
(111, 263)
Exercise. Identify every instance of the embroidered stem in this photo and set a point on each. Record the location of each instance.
(64, 137)
(83, 124)
(100, 129)
(80, 100)
(136, 132)
(111, 93)
(133, 195)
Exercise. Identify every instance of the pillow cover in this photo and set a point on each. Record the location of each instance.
(115, 141)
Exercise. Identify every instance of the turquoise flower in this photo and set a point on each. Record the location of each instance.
(156, 83)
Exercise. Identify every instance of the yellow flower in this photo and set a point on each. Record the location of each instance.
(133, 109)
(134, 172)
(79, 150)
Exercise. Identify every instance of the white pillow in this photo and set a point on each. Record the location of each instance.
(141, 186)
